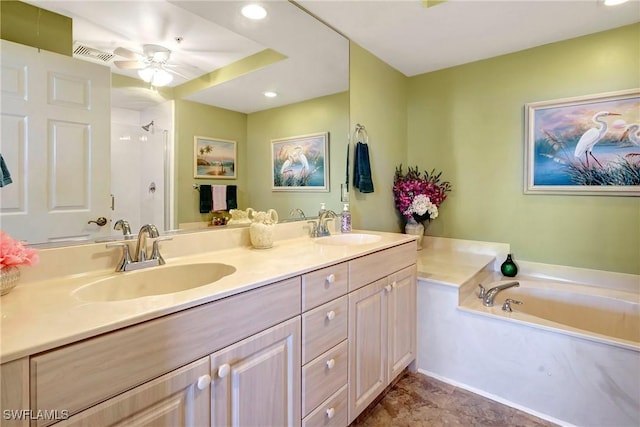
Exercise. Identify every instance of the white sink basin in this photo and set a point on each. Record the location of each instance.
(348, 239)
(153, 281)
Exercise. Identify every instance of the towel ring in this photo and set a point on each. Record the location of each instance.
(360, 132)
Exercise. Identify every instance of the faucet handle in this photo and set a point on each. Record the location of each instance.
(155, 251)
(507, 304)
(126, 255)
(482, 292)
(313, 232)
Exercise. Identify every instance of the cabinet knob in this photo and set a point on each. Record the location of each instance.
(224, 370)
(331, 315)
(331, 363)
(203, 382)
(331, 412)
(388, 288)
(331, 278)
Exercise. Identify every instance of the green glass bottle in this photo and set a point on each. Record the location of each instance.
(508, 267)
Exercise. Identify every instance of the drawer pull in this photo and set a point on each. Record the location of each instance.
(203, 382)
(331, 315)
(224, 370)
(331, 278)
(331, 412)
(388, 288)
(331, 363)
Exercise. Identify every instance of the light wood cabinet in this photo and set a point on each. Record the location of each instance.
(179, 398)
(382, 338)
(312, 350)
(257, 380)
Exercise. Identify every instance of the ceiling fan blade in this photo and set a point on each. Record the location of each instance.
(129, 65)
(126, 53)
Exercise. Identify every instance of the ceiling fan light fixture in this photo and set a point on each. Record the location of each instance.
(254, 11)
(156, 76)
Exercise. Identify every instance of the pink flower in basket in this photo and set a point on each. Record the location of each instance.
(14, 252)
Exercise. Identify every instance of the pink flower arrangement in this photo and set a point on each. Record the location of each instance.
(407, 187)
(14, 252)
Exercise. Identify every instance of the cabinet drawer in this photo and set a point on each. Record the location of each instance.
(323, 327)
(332, 412)
(323, 376)
(79, 375)
(370, 268)
(324, 285)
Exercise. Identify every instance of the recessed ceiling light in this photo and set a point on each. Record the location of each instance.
(270, 94)
(254, 11)
(614, 2)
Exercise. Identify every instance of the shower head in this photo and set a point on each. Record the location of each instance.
(148, 127)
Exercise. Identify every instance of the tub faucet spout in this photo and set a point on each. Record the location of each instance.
(490, 295)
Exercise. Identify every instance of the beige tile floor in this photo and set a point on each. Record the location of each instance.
(417, 400)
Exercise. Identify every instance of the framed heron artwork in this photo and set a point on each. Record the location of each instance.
(214, 158)
(300, 163)
(584, 145)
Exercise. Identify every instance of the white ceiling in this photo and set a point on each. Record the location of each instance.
(403, 33)
(415, 39)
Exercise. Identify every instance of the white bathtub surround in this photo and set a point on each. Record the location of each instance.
(562, 374)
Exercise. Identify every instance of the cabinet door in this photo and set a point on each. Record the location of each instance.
(256, 382)
(402, 320)
(179, 398)
(367, 345)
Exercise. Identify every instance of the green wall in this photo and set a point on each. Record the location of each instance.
(195, 119)
(32, 26)
(469, 122)
(323, 114)
(378, 100)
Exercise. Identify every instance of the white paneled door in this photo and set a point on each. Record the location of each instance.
(55, 142)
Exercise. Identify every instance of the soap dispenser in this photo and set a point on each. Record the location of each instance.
(345, 219)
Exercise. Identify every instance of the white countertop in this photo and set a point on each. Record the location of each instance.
(43, 314)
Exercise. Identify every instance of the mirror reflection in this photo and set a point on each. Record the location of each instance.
(221, 67)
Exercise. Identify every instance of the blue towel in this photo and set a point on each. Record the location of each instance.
(5, 176)
(362, 169)
(206, 199)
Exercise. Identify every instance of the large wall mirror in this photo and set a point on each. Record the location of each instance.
(220, 64)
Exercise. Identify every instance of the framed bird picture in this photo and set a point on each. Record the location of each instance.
(584, 145)
(300, 163)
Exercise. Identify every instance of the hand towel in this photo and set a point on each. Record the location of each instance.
(232, 197)
(5, 176)
(362, 169)
(206, 204)
(219, 197)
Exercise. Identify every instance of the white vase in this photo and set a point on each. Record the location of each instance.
(415, 228)
(261, 229)
(9, 277)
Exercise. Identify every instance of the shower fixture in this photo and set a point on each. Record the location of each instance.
(148, 127)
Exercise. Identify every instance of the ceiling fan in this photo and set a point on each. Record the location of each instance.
(152, 64)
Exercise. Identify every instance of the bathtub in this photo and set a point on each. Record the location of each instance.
(569, 354)
(606, 315)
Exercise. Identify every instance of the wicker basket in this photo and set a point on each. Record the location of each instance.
(9, 277)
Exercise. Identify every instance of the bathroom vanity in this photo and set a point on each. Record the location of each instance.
(311, 341)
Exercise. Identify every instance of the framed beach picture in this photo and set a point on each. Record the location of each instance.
(584, 145)
(300, 163)
(214, 158)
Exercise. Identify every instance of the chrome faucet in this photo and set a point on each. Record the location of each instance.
(141, 259)
(123, 225)
(141, 247)
(299, 212)
(322, 229)
(490, 295)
